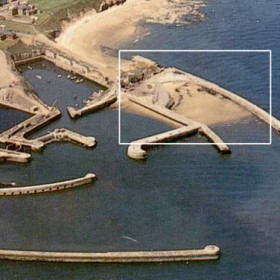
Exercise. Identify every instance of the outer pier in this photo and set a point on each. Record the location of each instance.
(136, 151)
(48, 187)
(210, 252)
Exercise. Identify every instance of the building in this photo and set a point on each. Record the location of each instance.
(7, 35)
(22, 9)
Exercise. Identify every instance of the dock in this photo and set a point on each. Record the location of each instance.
(210, 252)
(87, 179)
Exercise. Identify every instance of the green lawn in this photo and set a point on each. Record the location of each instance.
(20, 27)
(54, 11)
(7, 44)
(55, 5)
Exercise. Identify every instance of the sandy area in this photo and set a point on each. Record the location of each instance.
(204, 107)
(194, 103)
(6, 75)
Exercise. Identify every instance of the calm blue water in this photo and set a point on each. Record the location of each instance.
(180, 197)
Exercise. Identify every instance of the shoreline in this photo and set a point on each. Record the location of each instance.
(117, 25)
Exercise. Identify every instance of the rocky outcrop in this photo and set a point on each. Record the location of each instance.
(106, 4)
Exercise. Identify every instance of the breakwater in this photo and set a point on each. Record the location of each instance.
(210, 252)
(88, 178)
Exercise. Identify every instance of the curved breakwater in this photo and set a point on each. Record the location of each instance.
(88, 178)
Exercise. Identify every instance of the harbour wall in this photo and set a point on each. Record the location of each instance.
(48, 187)
(64, 62)
(68, 64)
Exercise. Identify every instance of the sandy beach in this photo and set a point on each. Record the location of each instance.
(6, 75)
(89, 35)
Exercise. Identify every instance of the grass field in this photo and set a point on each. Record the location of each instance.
(20, 27)
(54, 11)
(53, 5)
(7, 44)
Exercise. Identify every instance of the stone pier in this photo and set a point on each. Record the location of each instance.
(136, 151)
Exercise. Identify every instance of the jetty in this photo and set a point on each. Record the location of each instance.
(16, 135)
(14, 156)
(210, 252)
(136, 151)
(87, 179)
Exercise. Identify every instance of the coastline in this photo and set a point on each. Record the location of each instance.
(90, 34)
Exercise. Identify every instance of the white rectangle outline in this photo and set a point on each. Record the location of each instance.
(186, 51)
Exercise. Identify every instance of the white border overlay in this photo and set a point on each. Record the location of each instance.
(197, 51)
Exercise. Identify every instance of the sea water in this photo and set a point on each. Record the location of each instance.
(180, 197)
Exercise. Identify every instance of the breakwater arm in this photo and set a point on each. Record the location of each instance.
(210, 252)
(88, 178)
